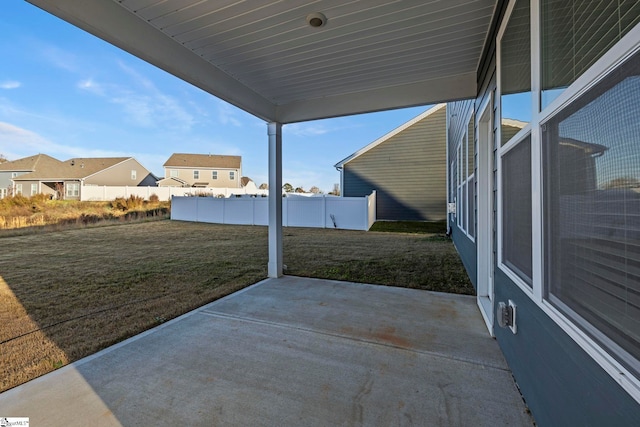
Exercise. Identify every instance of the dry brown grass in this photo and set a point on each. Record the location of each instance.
(65, 295)
(38, 212)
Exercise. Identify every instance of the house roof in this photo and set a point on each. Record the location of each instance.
(264, 56)
(513, 123)
(31, 163)
(391, 134)
(203, 161)
(174, 179)
(77, 168)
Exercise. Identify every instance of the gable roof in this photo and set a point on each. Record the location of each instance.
(31, 163)
(182, 160)
(391, 134)
(77, 168)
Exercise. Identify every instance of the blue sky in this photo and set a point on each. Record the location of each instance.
(68, 94)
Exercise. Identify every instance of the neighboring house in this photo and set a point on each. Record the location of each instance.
(66, 179)
(13, 169)
(407, 168)
(202, 170)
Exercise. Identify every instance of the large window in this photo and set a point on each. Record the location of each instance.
(18, 188)
(591, 158)
(515, 231)
(464, 183)
(516, 210)
(575, 34)
(34, 189)
(73, 189)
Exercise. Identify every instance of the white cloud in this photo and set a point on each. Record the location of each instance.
(10, 84)
(20, 142)
(23, 142)
(227, 114)
(60, 58)
(306, 129)
(145, 105)
(91, 86)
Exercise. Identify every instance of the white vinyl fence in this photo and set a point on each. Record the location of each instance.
(105, 193)
(350, 213)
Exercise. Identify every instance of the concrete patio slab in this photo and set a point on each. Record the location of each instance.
(291, 352)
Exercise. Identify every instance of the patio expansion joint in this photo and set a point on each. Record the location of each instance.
(351, 338)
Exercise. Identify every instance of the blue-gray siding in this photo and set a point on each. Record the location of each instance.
(408, 171)
(561, 383)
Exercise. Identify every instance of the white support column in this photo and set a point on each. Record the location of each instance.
(275, 199)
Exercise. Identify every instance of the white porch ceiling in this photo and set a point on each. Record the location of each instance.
(262, 56)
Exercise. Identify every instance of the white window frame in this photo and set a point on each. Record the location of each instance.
(72, 189)
(34, 189)
(232, 175)
(134, 174)
(513, 142)
(621, 51)
(214, 174)
(18, 188)
(174, 173)
(196, 174)
(502, 151)
(14, 174)
(463, 182)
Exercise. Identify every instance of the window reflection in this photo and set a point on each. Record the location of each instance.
(515, 68)
(592, 211)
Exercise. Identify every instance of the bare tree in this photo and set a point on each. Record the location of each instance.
(336, 190)
(315, 190)
(3, 159)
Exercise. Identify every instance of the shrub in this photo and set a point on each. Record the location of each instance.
(154, 198)
(130, 203)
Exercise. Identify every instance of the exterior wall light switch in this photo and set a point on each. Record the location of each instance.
(506, 315)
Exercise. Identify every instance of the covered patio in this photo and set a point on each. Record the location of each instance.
(294, 61)
(288, 352)
(293, 351)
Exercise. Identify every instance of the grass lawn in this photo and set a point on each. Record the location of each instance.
(67, 294)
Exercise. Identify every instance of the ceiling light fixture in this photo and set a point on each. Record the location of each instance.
(316, 19)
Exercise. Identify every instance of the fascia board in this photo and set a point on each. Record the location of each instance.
(434, 91)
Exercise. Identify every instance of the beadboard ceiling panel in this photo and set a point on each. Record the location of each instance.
(263, 56)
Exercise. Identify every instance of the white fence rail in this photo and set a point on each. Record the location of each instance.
(105, 193)
(350, 213)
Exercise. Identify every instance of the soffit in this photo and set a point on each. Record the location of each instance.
(263, 57)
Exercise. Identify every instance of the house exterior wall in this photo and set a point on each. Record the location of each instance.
(205, 175)
(395, 169)
(561, 380)
(5, 178)
(120, 174)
